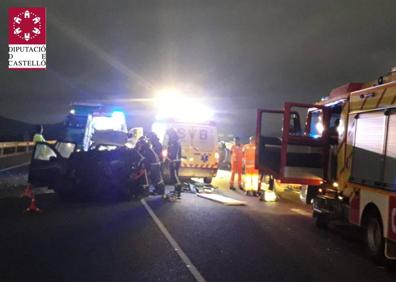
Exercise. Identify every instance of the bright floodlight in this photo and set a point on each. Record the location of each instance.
(172, 104)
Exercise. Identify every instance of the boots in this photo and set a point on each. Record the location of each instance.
(178, 191)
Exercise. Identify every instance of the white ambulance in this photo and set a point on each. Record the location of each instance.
(200, 157)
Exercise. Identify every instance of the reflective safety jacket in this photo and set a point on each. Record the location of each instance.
(236, 154)
(249, 153)
(38, 138)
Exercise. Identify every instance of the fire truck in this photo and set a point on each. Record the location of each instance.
(345, 156)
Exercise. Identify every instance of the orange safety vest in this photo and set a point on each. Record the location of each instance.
(249, 151)
(236, 154)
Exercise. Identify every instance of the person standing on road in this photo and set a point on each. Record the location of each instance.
(38, 134)
(174, 158)
(155, 144)
(236, 163)
(152, 165)
(251, 182)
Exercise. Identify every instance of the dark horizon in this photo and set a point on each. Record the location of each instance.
(239, 56)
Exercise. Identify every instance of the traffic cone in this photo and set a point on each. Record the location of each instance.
(33, 208)
(28, 192)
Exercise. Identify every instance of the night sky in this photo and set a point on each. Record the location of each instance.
(238, 55)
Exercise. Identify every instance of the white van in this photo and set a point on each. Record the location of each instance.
(199, 147)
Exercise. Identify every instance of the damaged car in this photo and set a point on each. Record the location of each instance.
(103, 171)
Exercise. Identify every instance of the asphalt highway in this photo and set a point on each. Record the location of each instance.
(120, 241)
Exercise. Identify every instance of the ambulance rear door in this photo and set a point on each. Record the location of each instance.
(199, 149)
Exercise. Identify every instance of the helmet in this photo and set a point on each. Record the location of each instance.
(152, 137)
(142, 143)
(173, 136)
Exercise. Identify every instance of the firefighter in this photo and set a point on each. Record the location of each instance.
(236, 163)
(155, 144)
(251, 182)
(152, 165)
(38, 135)
(174, 158)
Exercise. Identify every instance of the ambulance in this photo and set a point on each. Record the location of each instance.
(200, 157)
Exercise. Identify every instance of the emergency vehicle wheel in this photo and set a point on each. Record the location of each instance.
(207, 180)
(375, 237)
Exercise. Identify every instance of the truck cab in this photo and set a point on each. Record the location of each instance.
(298, 144)
(292, 152)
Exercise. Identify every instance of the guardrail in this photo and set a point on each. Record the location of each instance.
(8, 149)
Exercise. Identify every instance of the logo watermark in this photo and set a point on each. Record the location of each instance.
(27, 49)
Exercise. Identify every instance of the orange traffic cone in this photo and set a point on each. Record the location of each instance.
(33, 208)
(29, 193)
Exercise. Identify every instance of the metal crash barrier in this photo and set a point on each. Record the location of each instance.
(9, 149)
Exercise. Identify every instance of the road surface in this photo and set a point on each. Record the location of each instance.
(122, 242)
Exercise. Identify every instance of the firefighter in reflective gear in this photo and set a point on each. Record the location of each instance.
(236, 163)
(251, 179)
(38, 135)
(152, 165)
(174, 158)
(155, 144)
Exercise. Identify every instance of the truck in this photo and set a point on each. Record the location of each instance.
(200, 157)
(344, 157)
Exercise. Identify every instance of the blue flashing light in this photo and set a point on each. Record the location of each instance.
(118, 115)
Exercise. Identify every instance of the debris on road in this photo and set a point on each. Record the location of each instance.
(198, 187)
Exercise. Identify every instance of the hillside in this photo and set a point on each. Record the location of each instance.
(14, 130)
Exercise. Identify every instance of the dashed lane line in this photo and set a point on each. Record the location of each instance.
(301, 212)
(193, 270)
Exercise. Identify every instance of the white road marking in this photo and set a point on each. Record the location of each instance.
(194, 271)
(302, 212)
(15, 166)
(221, 199)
